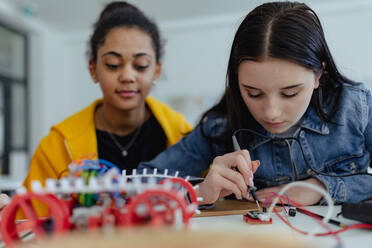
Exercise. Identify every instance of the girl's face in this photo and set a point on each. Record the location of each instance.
(126, 67)
(277, 92)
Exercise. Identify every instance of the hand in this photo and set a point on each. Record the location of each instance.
(301, 195)
(223, 179)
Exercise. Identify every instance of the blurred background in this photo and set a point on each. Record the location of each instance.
(43, 65)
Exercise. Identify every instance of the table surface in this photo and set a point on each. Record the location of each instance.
(350, 239)
(234, 224)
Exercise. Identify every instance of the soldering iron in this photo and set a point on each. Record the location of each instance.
(251, 189)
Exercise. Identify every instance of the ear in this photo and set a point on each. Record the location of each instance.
(316, 85)
(157, 71)
(93, 70)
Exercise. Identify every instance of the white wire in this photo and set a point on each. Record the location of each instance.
(310, 186)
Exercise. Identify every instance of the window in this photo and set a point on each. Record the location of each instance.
(13, 99)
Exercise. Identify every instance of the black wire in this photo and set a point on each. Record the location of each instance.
(302, 152)
(293, 163)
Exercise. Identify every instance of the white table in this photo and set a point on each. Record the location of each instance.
(356, 238)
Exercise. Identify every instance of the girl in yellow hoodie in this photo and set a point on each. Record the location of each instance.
(126, 126)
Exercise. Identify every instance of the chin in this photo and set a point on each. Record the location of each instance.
(127, 107)
(128, 104)
(276, 130)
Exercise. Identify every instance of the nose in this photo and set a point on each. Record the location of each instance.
(127, 74)
(272, 109)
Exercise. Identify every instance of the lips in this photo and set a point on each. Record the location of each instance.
(127, 93)
(274, 124)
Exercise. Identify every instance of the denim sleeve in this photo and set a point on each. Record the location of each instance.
(368, 123)
(354, 188)
(190, 156)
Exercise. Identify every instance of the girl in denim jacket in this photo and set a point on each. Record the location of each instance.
(293, 114)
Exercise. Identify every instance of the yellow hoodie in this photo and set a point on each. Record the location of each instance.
(75, 138)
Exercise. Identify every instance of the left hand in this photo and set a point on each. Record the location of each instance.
(301, 195)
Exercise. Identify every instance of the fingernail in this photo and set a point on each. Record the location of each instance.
(247, 196)
(250, 181)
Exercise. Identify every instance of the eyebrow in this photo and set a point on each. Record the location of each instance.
(284, 88)
(119, 55)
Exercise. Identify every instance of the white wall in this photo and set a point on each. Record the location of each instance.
(197, 52)
(349, 34)
(67, 84)
(195, 61)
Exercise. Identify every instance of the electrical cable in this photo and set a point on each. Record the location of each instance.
(322, 222)
(327, 197)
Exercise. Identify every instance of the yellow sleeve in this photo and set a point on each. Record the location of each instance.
(50, 160)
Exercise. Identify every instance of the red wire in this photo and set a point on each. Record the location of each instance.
(337, 238)
(329, 232)
(351, 227)
(269, 197)
(293, 203)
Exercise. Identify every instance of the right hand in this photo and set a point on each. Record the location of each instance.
(223, 179)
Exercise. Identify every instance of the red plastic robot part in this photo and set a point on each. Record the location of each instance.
(157, 207)
(189, 191)
(56, 221)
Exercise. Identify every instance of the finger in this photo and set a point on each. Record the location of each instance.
(255, 165)
(246, 155)
(227, 185)
(229, 159)
(248, 173)
(236, 178)
(244, 169)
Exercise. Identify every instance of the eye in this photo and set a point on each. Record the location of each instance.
(289, 95)
(254, 95)
(141, 67)
(112, 66)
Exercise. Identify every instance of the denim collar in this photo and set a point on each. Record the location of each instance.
(310, 121)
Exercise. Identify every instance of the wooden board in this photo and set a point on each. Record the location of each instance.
(229, 207)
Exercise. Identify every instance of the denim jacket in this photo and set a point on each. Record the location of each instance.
(341, 147)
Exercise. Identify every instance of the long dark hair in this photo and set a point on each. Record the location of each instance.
(123, 14)
(285, 30)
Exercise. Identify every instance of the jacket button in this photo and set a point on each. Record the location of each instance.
(310, 172)
(302, 134)
(352, 166)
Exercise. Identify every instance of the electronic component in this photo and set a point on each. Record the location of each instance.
(256, 217)
(292, 212)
